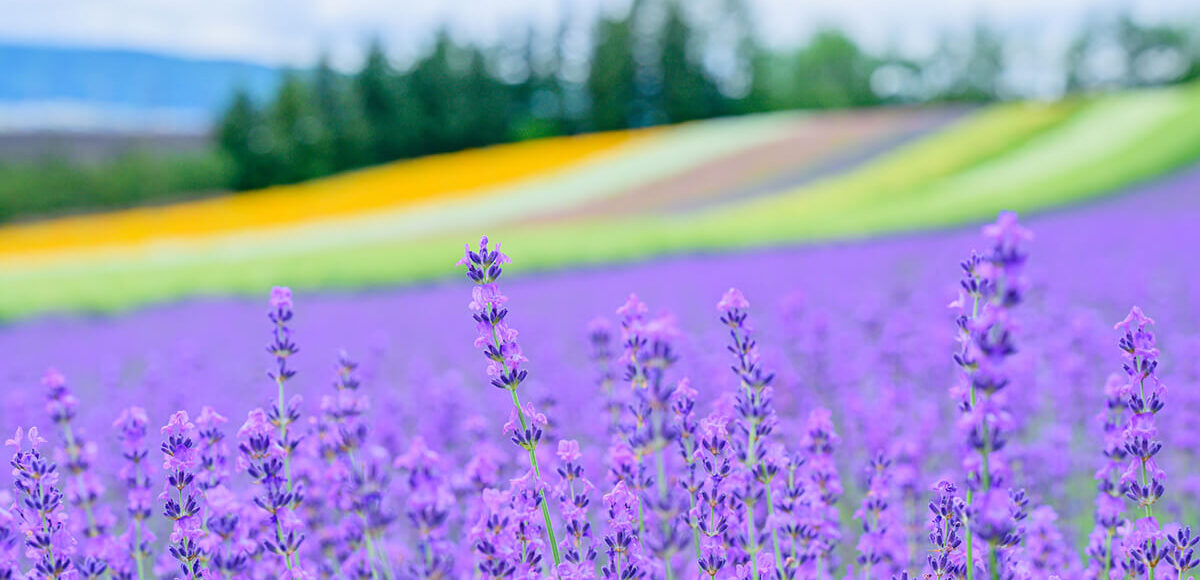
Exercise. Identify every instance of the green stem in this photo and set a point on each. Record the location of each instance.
(753, 534)
(774, 532)
(283, 429)
(993, 565)
(1108, 538)
(970, 542)
(533, 462)
(1145, 475)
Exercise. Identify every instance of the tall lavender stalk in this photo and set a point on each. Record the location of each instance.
(39, 508)
(648, 431)
(756, 420)
(341, 433)
(264, 463)
(946, 559)
(1143, 480)
(711, 511)
(683, 406)
(625, 559)
(182, 502)
(82, 487)
(267, 444)
(882, 543)
(600, 337)
(428, 509)
(1110, 498)
(574, 496)
(498, 341)
(992, 285)
(282, 347)
(132, 425)
(820, 439)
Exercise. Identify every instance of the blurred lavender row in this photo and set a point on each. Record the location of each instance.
(378, 445)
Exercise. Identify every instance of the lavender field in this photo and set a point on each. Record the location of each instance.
(803, 431)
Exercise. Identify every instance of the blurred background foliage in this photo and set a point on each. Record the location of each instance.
(656, 63)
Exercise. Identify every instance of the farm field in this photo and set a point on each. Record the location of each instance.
(857, 327)
(781, 178)
(735, 358)
(600, 290)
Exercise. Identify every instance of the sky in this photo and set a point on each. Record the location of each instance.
(295, 32)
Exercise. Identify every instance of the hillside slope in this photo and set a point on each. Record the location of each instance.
(711, 186)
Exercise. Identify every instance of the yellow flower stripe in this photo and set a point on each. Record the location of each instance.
(407, 183)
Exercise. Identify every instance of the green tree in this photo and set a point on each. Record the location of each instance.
(244, 138)
(688, 93)
(389, 114)
(298, 133)
(340, 113)
(832, 72)
(611, 81)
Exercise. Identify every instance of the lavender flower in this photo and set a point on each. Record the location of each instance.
(1181, 551)
(82, 487)
(181, 500)
(1110, 502)
(349, 545)
(136, 472)
(1046, 551)
(499, 344)
(683, 406)
(991, 286)
(10, 538)
(263, 461)
(947, 558)
(428, 508)
(1142, 481)
(39, 513)
(711, 513)
(756, 420)
(492, 538)
(267, 444)
(792, 522)
(882, 543)
(282, 347)
(527, 494)
(574, 490)
(214, 452)
(647, 429)
(600, 337)
(625, 559)
(825, 489)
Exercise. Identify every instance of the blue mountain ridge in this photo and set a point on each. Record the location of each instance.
(128, 79)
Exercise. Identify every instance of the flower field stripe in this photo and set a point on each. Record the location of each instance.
(1018, 156)
(651, 156)
(402, 184)
(1114, 142)
(965, 145)
(828, 143)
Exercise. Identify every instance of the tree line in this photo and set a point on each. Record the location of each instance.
(649, 66)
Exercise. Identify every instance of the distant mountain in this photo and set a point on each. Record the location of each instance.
(123, 90)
